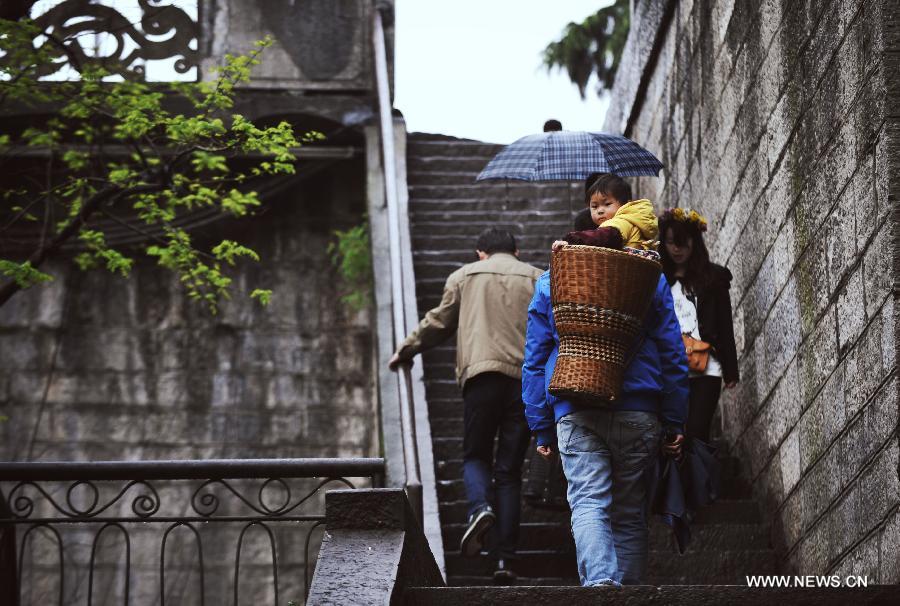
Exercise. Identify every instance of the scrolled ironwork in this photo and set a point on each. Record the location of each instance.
(68, 22)
(206, 504)
(128, 495)
(144, 505)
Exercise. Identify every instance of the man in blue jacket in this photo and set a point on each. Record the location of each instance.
(607, 451)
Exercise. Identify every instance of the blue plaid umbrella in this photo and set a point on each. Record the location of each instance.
(570, 156)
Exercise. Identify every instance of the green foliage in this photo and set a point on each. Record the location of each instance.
(23, 274)
(261, 295)
(592, 46)
(352, 256)
(171, 164)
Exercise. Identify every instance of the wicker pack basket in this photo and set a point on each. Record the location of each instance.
(600, 297)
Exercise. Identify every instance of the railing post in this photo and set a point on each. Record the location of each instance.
(9, 576)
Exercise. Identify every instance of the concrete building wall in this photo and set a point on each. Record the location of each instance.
(97, 367)
(779, 121)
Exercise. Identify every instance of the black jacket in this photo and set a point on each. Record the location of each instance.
(714, 318)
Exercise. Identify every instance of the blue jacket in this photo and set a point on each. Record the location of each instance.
(655, 381)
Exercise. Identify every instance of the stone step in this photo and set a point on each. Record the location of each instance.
(462, 233)
(707, 567)
(439, 242)
(451, 177)
(451, 149)
(559, 563)
(512, 190)
(445, 408)
(497, 216)
(454, 512)
(425, 164)
(723, 511)
(451, 487)
(487, 581)
(690, 595)
(722, 537)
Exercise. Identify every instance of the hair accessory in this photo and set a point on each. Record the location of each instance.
(685, 215)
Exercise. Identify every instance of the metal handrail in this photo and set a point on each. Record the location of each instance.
(39, 495)
(226, 469)
(413, 481)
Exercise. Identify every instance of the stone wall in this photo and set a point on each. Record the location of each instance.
(778, 120)
(97, 367)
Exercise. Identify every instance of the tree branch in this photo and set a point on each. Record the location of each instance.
(111, 193)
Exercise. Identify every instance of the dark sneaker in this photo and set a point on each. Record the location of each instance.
(504, 575)
(473, 539)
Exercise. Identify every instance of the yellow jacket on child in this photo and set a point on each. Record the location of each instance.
(637, 223)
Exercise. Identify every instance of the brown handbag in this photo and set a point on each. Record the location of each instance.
(697, 353)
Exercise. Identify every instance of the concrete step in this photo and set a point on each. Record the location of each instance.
(704, 537)
(425, 164)
(708, 567)
(723, 511)
(497, 216)
(452, 177)
(513, 190)
(487, 581)
(454, 512)
(690, 595)
(556, 563)
(451, 487)
(451, 149)
(440, 242)
(462, 233)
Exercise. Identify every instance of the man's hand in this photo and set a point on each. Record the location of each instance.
(730, 384)
(673, 448)
(545, 451)
(395, 362)
(557, 245)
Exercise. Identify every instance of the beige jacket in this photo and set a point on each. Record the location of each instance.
(486, 303)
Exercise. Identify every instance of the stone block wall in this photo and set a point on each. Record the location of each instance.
(780, 121)
(94, 366)
(97, 367)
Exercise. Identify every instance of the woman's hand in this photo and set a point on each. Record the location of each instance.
(545, 451)
(557, 245)
(730, 384)
(673, 448)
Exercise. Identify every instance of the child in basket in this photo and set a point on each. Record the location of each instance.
(621, 222)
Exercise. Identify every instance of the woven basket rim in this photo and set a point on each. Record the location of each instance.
(611, 251)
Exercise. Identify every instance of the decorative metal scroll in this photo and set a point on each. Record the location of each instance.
(86, 33)
(58, 510)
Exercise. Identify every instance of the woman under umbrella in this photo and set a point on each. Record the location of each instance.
(703, 306)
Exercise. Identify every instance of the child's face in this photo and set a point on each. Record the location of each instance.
(603, 207)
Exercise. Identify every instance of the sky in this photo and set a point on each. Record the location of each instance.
(472, 68)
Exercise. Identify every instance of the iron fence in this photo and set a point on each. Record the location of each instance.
(191, 520)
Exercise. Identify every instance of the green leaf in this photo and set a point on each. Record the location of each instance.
(262, 295)
(23, 274)
(228, 250)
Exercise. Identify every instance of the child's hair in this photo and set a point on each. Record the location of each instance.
(610, 185)
(698, 265)
(494, 240)
(583, 220)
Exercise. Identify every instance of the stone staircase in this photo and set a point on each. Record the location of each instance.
(447, 211)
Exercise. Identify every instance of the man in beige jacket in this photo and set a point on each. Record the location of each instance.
(486, 304)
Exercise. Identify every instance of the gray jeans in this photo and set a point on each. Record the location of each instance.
(606, 455)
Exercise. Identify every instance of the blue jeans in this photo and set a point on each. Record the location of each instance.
(494, 408)
(606, 456)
